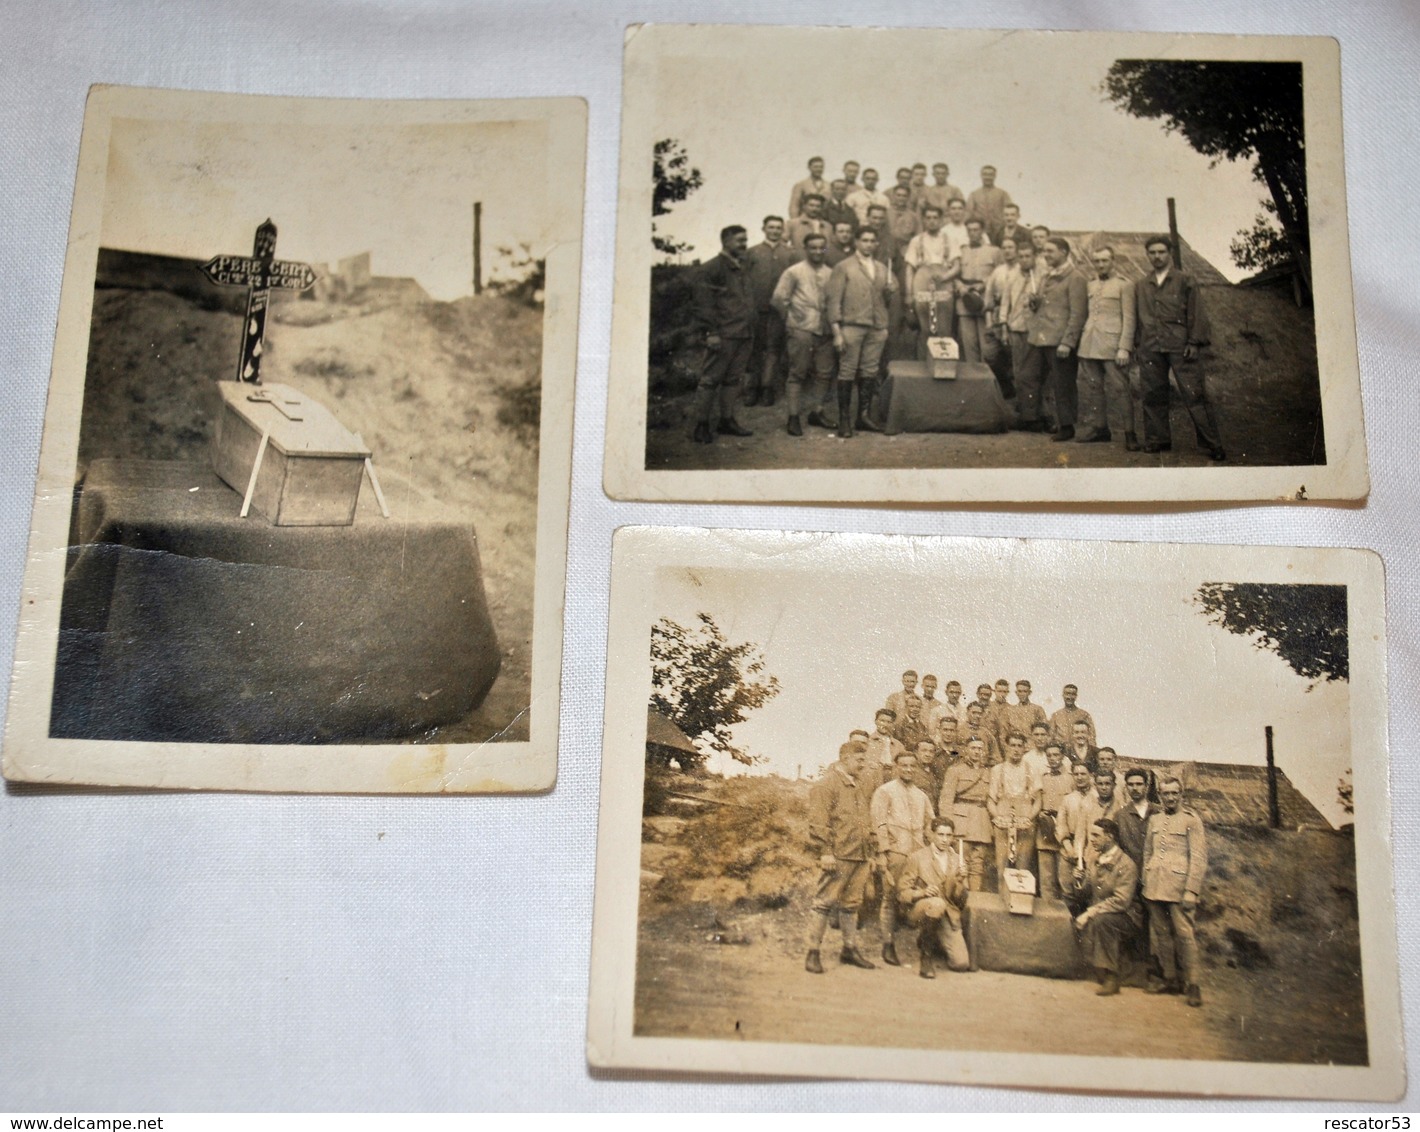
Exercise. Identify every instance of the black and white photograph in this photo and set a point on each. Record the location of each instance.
(308, 447)
(1036, 266)
(1103, 819)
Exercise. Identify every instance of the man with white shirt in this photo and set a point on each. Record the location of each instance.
(801, 298)
(931, 267)
(953, 704)
(931, 706)
(902, 821)
(897, 701)
(1013, 313)
(1039, 743)
(867, 196)
(813, 183)
(1013, 800)
(1072, 823)
(996, 305)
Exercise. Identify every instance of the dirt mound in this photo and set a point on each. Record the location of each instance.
(445, 393)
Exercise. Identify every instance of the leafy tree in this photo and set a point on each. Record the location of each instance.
(1305, 625)
(704, 684)
(1346, 793)
(1262, 246)
(519, 276)
(1231, 111)
(674, 179)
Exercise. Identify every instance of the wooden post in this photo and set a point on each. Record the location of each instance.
(478, 247)
(1173, 236)
(1274, 813)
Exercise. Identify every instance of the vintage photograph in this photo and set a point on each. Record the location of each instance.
(1097, 281)
(1016, 834)
(306, 459)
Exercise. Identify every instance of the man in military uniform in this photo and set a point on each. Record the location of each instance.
(1062, 723)
(883, 746)
(1133, 817)
(1056, 784)
(897, 701)
(996, 717)
(930, 769)
(724, 315)
(1173, 329)
(978, 260)
(841, 839)
(953, 705)
(836, 209)
(976, 729)
(902, 822)
(765, 262)
(1023, 715)
(1175, 863)
(910, 729)
(963, 798)
(812, 184)
(1111, 916)
(932, 708)
(1013, 800)
(948, 742)
(933, 890)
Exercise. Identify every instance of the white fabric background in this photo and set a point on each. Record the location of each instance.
(180, 952)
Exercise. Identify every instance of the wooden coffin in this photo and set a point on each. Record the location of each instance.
(312, 464)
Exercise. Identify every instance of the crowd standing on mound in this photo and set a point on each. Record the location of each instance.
(854, 278)
(943, 797)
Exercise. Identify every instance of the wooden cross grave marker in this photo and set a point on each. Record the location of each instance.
(259, 273)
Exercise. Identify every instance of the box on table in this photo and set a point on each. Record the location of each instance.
(311, 470)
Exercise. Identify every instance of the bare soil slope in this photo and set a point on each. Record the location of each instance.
(444, 393)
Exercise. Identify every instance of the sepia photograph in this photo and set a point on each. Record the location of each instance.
(1036, 266)
(1104, 816)
(302, 506)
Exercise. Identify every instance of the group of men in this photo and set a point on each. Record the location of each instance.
(827, 294)
(942, 790)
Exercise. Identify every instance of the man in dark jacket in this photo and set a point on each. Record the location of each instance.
(1058, 307)
(724, 316)
(841, 839)
(1172, 329)
(1113, 915)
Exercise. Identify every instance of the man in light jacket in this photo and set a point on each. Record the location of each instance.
(1105, 345)
(858, 294)
(1058, 307)
(801, 298)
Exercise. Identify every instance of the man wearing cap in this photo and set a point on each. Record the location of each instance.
(1105, 344)
(813, 183)
(963, 798)
(841, 840)
(1062, 723)
(1175, 863)
(1112, 915)
(801, 298)
(724, 314)
(932, 890)
(1172, 330)
(1013, 800)
(902, 823)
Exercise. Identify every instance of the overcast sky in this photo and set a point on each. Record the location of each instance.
(1030, 105)
(403, 193)
(1161, 681)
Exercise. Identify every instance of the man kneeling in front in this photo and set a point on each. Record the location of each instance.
(932, 890)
